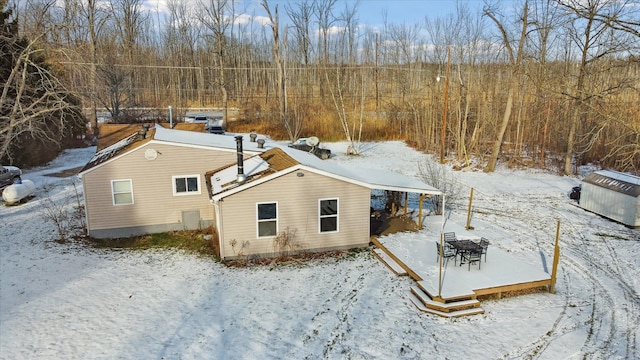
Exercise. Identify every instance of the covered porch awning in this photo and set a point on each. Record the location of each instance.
(393, 181)
(377, 179)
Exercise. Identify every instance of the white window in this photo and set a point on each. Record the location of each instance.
(186, 184)
(267, 219)
(122, 192)
(328, 214)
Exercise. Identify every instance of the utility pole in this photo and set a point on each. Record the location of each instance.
(446, 100)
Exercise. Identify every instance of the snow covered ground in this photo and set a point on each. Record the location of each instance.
(70, 301)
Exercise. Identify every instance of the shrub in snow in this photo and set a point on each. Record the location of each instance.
(443, 178)
(64, 212)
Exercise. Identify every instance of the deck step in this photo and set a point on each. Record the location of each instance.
(447, 306)
(389, 262)
(458, 313)
(459, 297)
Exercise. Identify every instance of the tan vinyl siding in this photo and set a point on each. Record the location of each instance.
(298, 201)
(153, 199)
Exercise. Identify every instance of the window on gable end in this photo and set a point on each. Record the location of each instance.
(122, 192)
(267, 219)
(328, 215)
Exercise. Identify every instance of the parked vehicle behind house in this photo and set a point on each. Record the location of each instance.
(9, 175)
(215, 129)
(214, 125)
(311, 145)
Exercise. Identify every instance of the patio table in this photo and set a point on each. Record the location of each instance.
(463, 246)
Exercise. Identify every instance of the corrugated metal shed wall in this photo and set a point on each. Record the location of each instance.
(613, 195)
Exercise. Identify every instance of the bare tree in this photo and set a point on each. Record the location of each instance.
(351, 130)
(546, 20)
(36, 18)
(116, 81)
(515, 62)
(215, 17)
(33, 101)
(281, 78)
(529, 89)
(591, 27)
(325, 19)
(441, 177)
(95, 20)
(130, 20)
(301, 17)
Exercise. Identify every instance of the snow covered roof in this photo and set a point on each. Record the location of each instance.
(613, 180)
(282, 160)
(159, 134)
(225, 178)
(110, 152)
(192, 138)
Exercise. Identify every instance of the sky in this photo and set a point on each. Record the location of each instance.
(370, 12)
(409, 11)
(397, 11)
(373, 12)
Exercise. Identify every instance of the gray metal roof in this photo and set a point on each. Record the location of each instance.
(182, 137)
(374, 178)
(110, 152)
(616, 181)
(192, 138)
(370, 178)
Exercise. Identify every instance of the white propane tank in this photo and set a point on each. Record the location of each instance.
(15, 193)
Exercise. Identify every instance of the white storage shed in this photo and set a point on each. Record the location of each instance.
(612, 194)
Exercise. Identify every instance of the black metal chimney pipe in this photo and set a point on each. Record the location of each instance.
(241, 177)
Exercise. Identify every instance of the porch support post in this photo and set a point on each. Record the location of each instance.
(440, 273)
(406, 199)
(442, 247)
(422, 196)
(556, 260)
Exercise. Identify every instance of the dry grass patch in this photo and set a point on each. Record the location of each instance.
(299, 259)
(192, 241)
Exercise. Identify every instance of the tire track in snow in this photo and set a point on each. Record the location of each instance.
(630, 312)
(605, 329)
(538, 346)
(609, 322)
(601, 325)
(563, 323)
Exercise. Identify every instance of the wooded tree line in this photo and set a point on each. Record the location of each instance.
(38, 115)
(548, 83)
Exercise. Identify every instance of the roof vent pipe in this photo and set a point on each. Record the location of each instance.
(142, 133)
(241, 177)
(253, 136)
(260, 143)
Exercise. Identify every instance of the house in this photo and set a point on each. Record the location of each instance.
(612, 194)
(262, 200)
(284, 200)
(153, 181)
